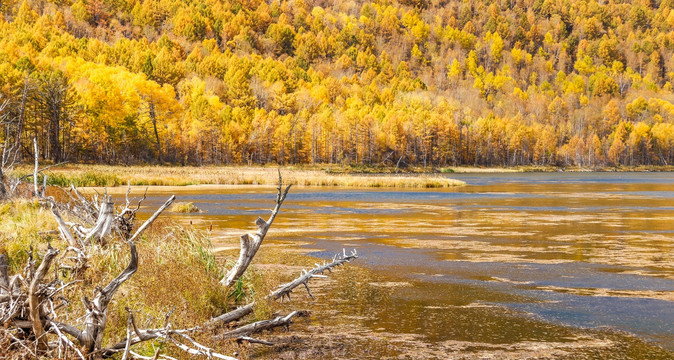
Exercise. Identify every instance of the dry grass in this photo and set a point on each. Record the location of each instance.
(104, 175)
(178, 274)
(473, 169)
(23, 223)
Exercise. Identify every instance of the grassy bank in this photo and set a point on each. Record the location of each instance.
(308, 175)
(104, 175)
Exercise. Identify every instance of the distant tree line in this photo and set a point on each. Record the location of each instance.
(425, 83)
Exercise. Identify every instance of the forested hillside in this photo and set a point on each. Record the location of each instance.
(426, 83)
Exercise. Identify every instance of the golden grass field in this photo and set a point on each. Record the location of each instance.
(105, 175)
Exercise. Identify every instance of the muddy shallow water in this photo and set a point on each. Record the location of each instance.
(509, 266)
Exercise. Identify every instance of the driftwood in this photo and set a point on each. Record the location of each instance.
(258, 326)
(243, 333)
(285, 289)
(95, 320)
(31, 301)
(28, 302)
(4, 276)
(231, 316)
(250, 243)
(34, 299)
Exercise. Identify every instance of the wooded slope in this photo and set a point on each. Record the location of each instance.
(586, 83)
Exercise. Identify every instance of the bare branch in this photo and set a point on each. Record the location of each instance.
(36, 153)
(103, 225)
(18, 341)
(152, 218)
(127, 347)
(96, 317)
(231, 316)
(68, 329)
(126, 216)
(254, 341)
(64, 340)
(4, 277)
(64, 230)
(251, 243)
(87, 208)
(198, 348)
(149, 334)
(34, 299)
(258, 326)
(43, 169)
(285, 289)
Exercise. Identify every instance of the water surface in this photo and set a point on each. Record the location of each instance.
(507, 259)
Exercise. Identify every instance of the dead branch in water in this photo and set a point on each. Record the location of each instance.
(250, 243)
(285, 289)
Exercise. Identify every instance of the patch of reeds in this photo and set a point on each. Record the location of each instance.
(184, 207)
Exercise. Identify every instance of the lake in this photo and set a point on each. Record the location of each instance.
(510, 265)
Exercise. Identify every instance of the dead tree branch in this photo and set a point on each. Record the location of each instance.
(250, 243)
(96, 317)
(230, 316)
(34, 298)
(285, 289)
(4, 276)
(152, 218)
(64, 230)
(254, 341)
(36, 152)
(258, 326)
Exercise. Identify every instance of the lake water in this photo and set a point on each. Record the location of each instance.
(576, 263)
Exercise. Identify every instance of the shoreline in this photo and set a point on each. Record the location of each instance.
(86, 175)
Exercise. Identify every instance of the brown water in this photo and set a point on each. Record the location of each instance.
(511, 265)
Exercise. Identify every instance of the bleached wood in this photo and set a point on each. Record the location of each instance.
(34, 299)
(64, 230)
(231, 316)
(250, 243)
(96, 317)
(103, 225)
(258, 326)
(285, 289)
(4, 276)
(36, 153)
(152, 218)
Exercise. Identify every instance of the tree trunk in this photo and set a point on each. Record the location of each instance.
(153, 117)
(3, 190)
(54, 132)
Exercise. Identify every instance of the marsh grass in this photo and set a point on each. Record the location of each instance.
(103, 175)
(23, 223)
(184, 207)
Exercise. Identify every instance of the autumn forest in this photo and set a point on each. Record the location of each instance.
(417, 82)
